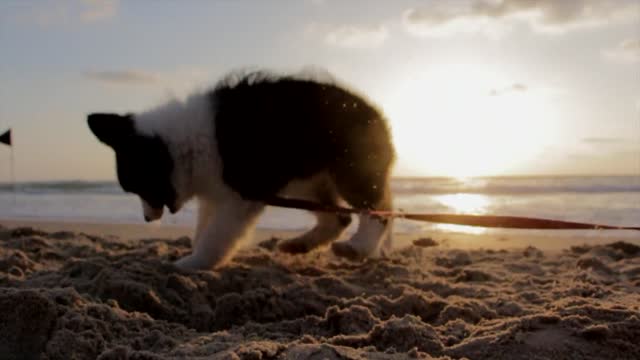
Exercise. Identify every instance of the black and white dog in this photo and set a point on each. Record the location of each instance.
(252, 137)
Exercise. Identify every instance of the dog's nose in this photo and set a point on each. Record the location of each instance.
(147, 218)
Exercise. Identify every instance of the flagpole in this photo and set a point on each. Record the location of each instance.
(13, 179)
(5, 138)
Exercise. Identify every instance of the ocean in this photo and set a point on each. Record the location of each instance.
(611, 200)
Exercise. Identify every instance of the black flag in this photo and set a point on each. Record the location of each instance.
(6, 137)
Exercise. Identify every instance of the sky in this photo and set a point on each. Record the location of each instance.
(470, 87)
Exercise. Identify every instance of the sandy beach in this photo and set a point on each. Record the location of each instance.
(103, 291)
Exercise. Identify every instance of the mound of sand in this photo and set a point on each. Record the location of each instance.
(65, 295)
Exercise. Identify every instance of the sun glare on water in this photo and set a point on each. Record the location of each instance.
(474, 204)
(463, 121)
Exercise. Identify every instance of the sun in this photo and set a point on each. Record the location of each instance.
(465, 120)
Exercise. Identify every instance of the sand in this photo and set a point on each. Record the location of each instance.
(70, 295)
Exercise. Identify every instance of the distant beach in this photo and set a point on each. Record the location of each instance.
(606, 199)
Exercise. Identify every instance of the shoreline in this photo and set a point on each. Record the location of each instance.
(448, 240)
(123, 231)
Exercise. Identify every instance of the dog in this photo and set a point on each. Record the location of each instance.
(251, 137)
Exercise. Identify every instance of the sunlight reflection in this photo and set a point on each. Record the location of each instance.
(474, 230)
(465, 203)
(474, 204)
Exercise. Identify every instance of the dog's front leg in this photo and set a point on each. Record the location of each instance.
(232, 221)
(205, 214)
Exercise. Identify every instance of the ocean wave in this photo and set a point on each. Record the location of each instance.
(64, 187)
(516, 186)
(400, 186)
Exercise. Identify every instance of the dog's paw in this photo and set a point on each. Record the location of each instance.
(346, 250)
(294, 246)
(269, 244)
(189, 262)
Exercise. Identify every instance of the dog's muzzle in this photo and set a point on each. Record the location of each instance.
(151, 213)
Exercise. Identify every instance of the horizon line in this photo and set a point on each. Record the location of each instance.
(403, 177)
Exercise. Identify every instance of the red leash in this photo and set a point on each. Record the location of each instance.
(489, 221)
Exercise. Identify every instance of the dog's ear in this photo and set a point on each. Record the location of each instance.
(111, 129)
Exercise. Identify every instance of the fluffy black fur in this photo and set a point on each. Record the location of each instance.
(271, 130)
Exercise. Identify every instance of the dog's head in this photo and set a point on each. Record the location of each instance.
(144, 163)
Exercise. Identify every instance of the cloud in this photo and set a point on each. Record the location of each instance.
(348, 36)
(514, 88)
(357, 37)
(604, 140)
(173, 84)
(64, 12)
(97, 10)
(496, 16)
(627, 51)
(445, 18)
(127, 77)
